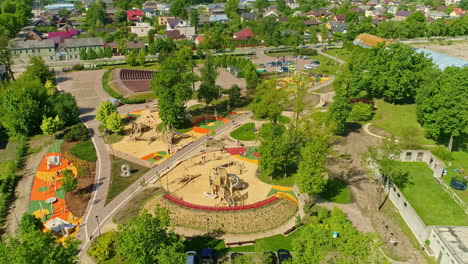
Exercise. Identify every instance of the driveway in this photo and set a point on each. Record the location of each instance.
(86, 87)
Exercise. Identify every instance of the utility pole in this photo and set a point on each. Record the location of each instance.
(16, 218)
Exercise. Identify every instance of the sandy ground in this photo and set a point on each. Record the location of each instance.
(458, 50)
(142, 147)
(194, 190)
(224, 79)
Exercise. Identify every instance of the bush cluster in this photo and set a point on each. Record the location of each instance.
(78, 132)
(307, 52)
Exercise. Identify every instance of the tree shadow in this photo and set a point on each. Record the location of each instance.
(333, 188)
(351, 127)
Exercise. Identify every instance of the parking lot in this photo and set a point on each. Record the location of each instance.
(264, 59)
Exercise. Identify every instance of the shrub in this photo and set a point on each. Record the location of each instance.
(78, 67)
(361, 112)
(104, 247)
(361, 100)
(77, 132)
(308, 52)
(84, 150)
(442, 153)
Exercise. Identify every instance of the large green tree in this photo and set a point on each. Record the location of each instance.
(105, 110)
(209, 91)
(64, 106)
(96, 15)
(178, 8)
(146, 239)
(38, 68)
(172, 85)
(269, 102)
(6, 57)
(231, 9)
(441, 105)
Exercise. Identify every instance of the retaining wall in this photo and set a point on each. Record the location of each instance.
(183, 203)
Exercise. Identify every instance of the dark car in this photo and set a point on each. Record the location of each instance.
(279, 63)
(283, 255)
(262, 65)
(207, 256)
(316, 62)
(269, 257)
(285, 69)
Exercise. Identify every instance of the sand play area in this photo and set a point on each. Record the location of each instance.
(216, 179)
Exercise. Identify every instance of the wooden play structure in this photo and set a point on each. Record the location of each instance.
(137, 131)
(224, 186)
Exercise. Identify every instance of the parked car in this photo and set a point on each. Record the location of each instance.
(191, 257)
(207, 256)
(310, 66)
(279, 69)
(262, 65)
(288, 62)
(316, 62)
(306, 58)
(269, 258)
(271, 64)
(300, 57)
(292, 67)
(279, 63)
(261, 70)
(285, 69)
(283, 255)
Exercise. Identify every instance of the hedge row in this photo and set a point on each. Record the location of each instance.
(7, 186)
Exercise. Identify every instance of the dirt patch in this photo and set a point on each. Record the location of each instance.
(78, 200)
(244, 221)
(366, 193)
(457, 50)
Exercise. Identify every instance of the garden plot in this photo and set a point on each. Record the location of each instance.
(243, 221)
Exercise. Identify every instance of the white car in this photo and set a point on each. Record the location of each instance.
(191, 257)
(279, 69)
(310, 66)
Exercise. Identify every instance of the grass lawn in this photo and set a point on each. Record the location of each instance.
(341, 54)
(112, 138)
(431, 202)
(281, 119)
(283, 181)
(325, 89)
(245, 132)
(327, 65)
(84, 150)
(400, 121)
(118, 183)
(7, 147)
(147, 66)
(390, 211)
(336, 191)
(460, 161)
(3, 170)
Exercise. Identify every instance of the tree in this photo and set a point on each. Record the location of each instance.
(208, 88)
(64, 106)
(120, 16)
(64, 12)
(100, 53)
(151, 34)
(438, 104)
(234, 94)
(107, 52)
(361, 112)
(131, 58)
(105, 110)
(306, 249)
(146, 239)
(261, 5)
(172, 85)
(231, 9)
(6, 58)
(34, 246)
(463, 4)
(51, 125)
(83, 55)
(39, 69)
(69, 181)
(141, 57)
(96, 15)
(91, 54)
(104, 246)
(269, 102)
(114, 122)
(339, 112)
(194, 18)
(178, 8)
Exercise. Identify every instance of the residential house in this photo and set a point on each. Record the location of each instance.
(372, 3)
(174, 34)
(318, 14)
(327, 37)
(234, 70)
(135, 15)
(339, 18)
(129, 46)
(150, 4)
(312, 22)
(175, 23)
(340, 28)
(163, 8)
(219, 19)
(358, 10)
(141, 29)
(66, 28)
(30, 33)
(162, 20)
(219, 11)
(392, 10)
(214, 7)
(437, 15)
(244, 34)
(271, 13)
(292, 4)
(150, 12)
(203, 20)
(369, 12)
(62, 21)
(402, 15)
(41, 22)
(451, 2)
(457, 12)
(248, 17)
(369, 41)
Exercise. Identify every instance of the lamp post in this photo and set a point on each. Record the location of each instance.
(99, 229)
(16, 218)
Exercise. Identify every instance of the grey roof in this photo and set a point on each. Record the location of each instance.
(249, 16)
(83, 42)
(32, 44)
(456, 239)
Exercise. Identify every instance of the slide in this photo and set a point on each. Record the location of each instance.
(182, 134)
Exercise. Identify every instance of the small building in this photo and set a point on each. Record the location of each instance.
(141, 29)
(174, 34)
(402, 15)
(219, 19)
(57, 7)
(292, 4)
(312, 22)
(339, 18)
(437, 15)
(135, 15)
(71, 47)
(162, 20)
(175, 23)
(244, 34)
(23, 50)
(248, 16)
(234, 70)
(369, 41)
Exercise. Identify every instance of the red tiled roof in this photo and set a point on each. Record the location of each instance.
(244, 34)
(134, 15)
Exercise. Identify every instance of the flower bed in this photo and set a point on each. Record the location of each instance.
(183, 203)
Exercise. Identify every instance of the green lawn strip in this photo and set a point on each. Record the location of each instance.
(336, 191)
(115, 260)
(281, 119)
(112, 138)
(327, 65)
(392, 213)
(119, 183)
(7, 148)
(433, 204)
(84, 150)
(55, 148)
(341, 54)
(282, 181)
(326, 89)
(4, 170)
(400, 121)
(245, 132)
(460, 161)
